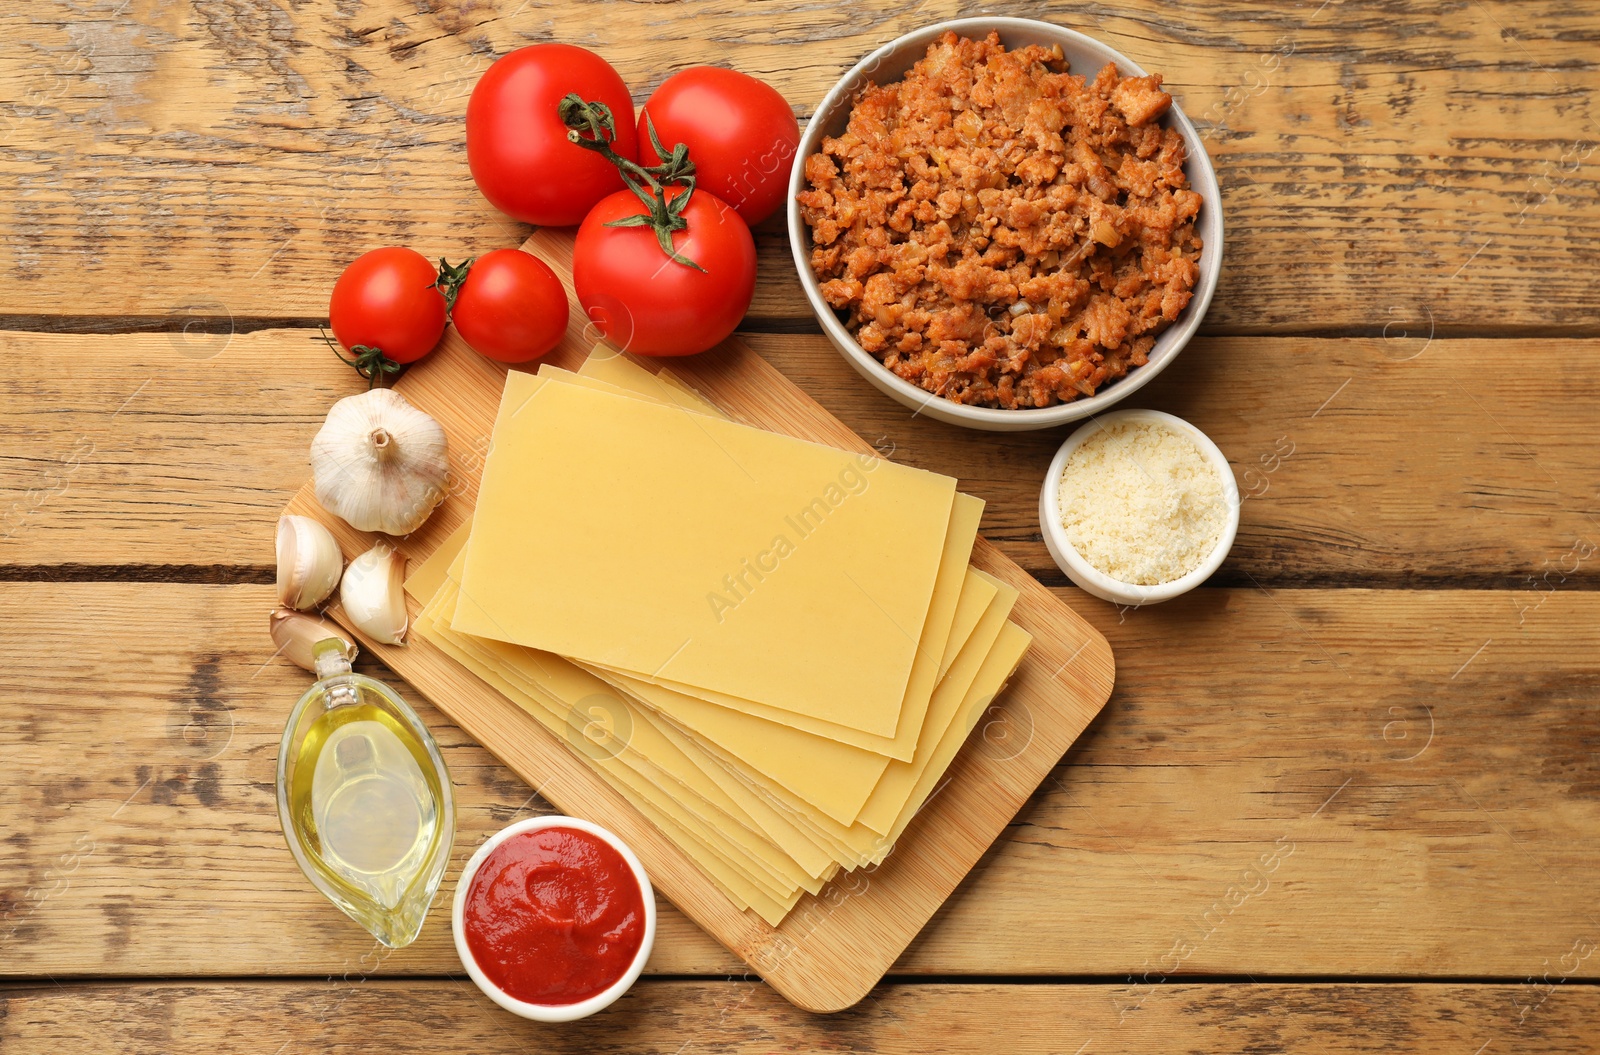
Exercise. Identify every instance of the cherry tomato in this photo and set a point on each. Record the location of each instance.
(386, 300)
(511, 308)
(517, 146)
(644, 302)
(742, 136)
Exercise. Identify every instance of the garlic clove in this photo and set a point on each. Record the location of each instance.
(309, 562)
(295, 633)
(373, 594)
(380, 463)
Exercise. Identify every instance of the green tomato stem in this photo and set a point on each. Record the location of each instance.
(369, 362)
(451, 278)
(593, 127)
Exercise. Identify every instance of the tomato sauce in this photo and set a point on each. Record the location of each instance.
(554, 916)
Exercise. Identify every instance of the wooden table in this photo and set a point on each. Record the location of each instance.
(1346, 797)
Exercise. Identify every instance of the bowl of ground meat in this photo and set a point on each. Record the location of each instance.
(1004, 224)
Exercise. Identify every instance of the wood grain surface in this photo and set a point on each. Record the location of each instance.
(1366, 461)
(1384, 164)
(1394, 673)
(1425, 801)
(336, 1016)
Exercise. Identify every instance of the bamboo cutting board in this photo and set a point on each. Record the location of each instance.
(835, 945)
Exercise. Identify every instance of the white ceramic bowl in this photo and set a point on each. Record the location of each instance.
(552, 1012)
(1086, 55)
(1093, 579)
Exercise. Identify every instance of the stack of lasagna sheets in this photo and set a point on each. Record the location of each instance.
(772, 648)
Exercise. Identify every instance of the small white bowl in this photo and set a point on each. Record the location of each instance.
(1087, 56)
(552, 1012)
(1092, 579)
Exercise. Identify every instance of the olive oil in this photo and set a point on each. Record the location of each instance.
(365, 801)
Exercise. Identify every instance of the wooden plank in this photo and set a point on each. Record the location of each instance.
(359, 1015)
(193, 437)
(1383, 461)
(1383, 163)
(144, 749)
(1301, 782)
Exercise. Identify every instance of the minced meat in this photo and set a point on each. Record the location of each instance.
(1001, 232)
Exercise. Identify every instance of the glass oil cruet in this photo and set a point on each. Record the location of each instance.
(364, 798)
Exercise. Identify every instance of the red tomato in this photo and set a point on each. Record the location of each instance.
(644, 302)
(512, 307)
(517, 146)
(742, 136)
(386, 300)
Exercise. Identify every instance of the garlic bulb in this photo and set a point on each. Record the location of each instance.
(379, 462)
(309, 562)
(295, 633)
(373, 594)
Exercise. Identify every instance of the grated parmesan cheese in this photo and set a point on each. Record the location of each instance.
(1140, 502)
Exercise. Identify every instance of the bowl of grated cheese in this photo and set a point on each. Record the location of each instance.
(1138, 507)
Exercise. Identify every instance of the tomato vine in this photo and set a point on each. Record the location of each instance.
(592, 126)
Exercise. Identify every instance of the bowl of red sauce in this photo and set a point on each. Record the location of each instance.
(554, 918)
